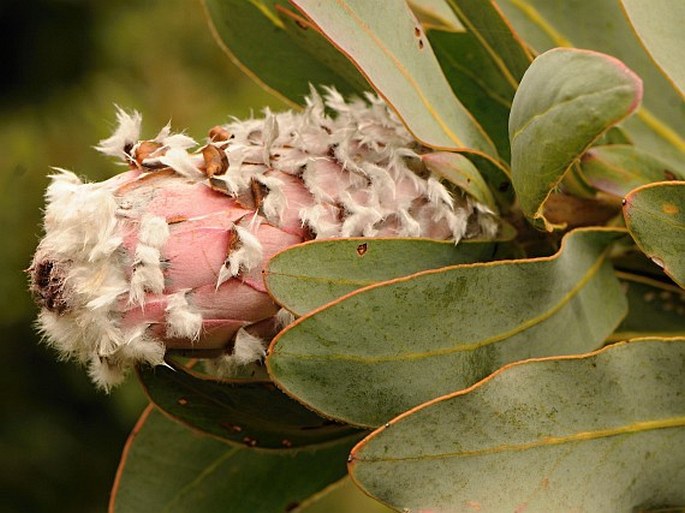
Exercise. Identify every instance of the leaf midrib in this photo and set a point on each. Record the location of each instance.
(582, 436)
(532, 322)
(207, 471)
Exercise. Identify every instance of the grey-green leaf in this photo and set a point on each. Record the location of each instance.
(659, 25)
(476, 81)
(505, 48)
(245, 412)
(600, 25)
(655, 308)
(388, 347)
(595, 433)
(283, 56)
(618, 168)
(307, 276)
(566, 100)
(394, 54)
(166, 467)
(435, 14)
(655, 217)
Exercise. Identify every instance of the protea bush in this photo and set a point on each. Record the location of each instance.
(454, 269)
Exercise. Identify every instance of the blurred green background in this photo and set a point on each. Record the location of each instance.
(65, 64)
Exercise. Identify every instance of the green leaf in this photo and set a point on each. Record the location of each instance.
(506, 50)
(435, 14)
(307, 276)
(601, 25)
(597, 432)
(655, 309)
(618, 169)
(341, 497)
(566, 100)
(388, 347)
(248, 413)
(281, 53)
(655, 217)
(166, 467)
(394, 54)
(659, 25)
(476, 81)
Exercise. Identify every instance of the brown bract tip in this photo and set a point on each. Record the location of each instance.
(47, 285)
(216, 161)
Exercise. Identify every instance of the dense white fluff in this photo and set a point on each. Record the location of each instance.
(283, 318)
(83, 247)
(182, 320)
(276, 201)
(248, 348)
(147, 274)
(248, 255)
(322, 219)
(183, 163)
(80, 218)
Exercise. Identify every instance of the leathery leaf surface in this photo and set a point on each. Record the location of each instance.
(309, 275)
(655, 309)
(274, 45)
(566, 100)
(595, 433)
(655, 216)
(383, 349)
(166, 467)
(601, 25)
(659, 25)
(250, 413)
(619, 168)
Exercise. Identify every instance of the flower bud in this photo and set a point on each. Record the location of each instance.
(168, 255)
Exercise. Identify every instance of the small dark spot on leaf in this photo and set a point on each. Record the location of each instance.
(669, 175)
(420, 44)
(229, 426)
(503, 187)
(417, 31)
(292, 506)
(362, 249)
(182, 401)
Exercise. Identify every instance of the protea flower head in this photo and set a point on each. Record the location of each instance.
(168, 255)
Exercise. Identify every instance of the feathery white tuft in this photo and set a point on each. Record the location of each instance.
(248, 348)
(181, 320)
(126, 134)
